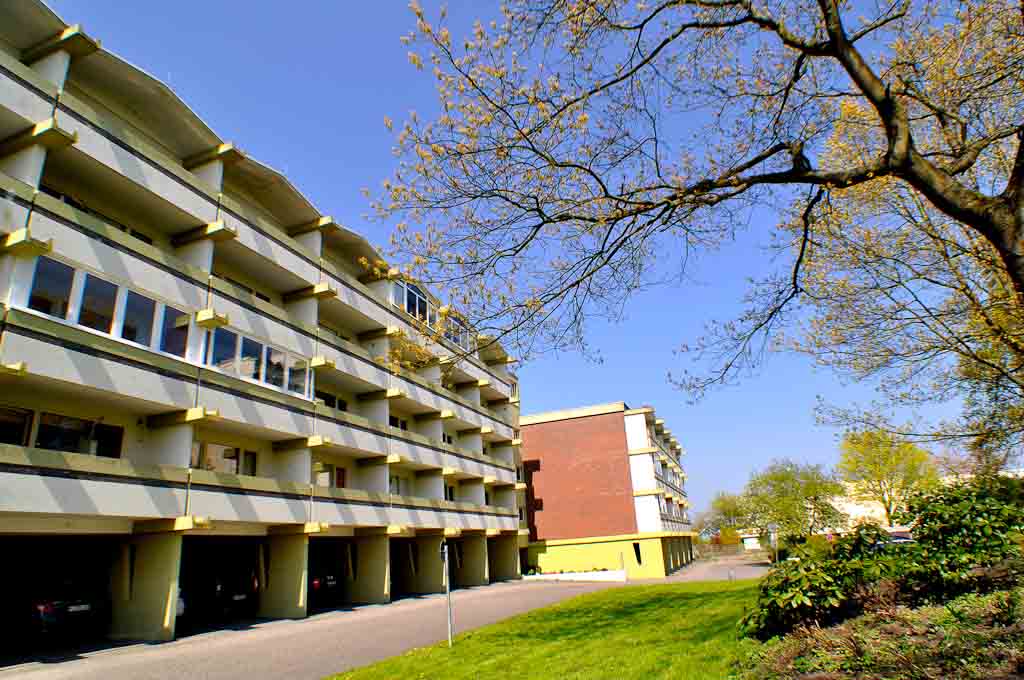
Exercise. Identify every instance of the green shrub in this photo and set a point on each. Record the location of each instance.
(822, 586)
(967, 537)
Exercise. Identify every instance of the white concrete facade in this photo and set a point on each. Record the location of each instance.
(178, 344)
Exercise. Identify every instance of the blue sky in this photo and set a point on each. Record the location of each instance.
(273, 76)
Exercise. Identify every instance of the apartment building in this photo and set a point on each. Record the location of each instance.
(605, 490)
(197, 369)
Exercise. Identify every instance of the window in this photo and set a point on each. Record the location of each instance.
(449, 492)
(519, 473)
(400, 423)
(274, 367)
(75, 435)
(330, 401)
(522, 514)
(219, 458)
(15, 426)
(395, 485)
(138, 318)
(447, 439)
(223, 349)
(339, 477)
(415, 302)
(174, 331)
(297, 376)
(51, 288)
(98, 301)
(487, 497)
(250, 359)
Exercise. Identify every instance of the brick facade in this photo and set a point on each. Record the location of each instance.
(578, 476)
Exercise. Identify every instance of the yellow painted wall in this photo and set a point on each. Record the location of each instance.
(611, 554)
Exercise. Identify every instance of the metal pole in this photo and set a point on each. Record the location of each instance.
(447, 589)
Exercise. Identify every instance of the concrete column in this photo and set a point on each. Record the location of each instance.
(431, 372)
(372, 582)
(144, 585)
(170, 445)
(198, 254)
(431, 428)
(473, 569)
(26, 165)
(503, 557)
(471, 491)
(295, 465)
(471, 442)
(429, 576)
(53, 67)
(305, 310)
(211, 173)
(504, 496)
(378, 347)
(429, 484)
(470, 392)
(374, 410)
(284, 596)
(370, 476)
(313, 241)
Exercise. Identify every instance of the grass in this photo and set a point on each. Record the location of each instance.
(682, 631)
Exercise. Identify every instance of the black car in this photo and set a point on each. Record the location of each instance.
(220, 582)
(67, 608)
(326, 575)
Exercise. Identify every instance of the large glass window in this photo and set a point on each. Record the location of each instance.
(297, 376)
(15, 426)
(138, 318)
(98, 300)
(51, 287)
(251, 359)
(76, 435)
(274, 373)
(222, 354)
(174, 331)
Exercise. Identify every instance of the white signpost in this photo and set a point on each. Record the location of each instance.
(447, 587)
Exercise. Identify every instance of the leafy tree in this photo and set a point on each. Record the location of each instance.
(795, 497)
(883, 468)
(727, 512)
(587, 149)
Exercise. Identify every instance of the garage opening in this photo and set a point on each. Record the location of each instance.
(220, 581)
(333, 565)
(55, 593)
(405, 562)
(467, 560)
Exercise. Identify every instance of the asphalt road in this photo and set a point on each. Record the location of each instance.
(310, 648)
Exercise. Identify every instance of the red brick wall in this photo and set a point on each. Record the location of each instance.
(578, 476)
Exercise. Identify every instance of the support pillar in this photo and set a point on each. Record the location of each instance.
(171, 445)
(429, 576)
(472, 569)
(372, 581)
(503, 557)
(144, 585)
(285, 596)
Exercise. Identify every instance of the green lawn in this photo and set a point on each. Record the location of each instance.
(682, 631)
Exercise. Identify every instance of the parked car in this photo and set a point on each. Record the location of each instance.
(219, 582)
(68, 607)
(325, 580)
